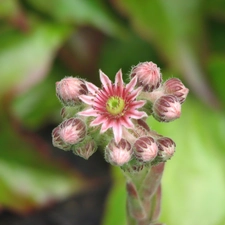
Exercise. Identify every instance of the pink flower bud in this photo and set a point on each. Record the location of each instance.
(86, 150)
(148, 75)
(72, 131)
(166, 108)
(145, 149)
(118, 154)
(166, 148)
(57, 140)
(175, 87)
(68, 90)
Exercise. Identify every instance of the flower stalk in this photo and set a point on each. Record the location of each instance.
(113, 118)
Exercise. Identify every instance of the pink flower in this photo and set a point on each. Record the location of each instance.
(114, 105)
(148, 75)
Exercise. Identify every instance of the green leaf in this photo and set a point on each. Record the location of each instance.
(176, 30)
(25, 58)
(29, 179)
(80, 12)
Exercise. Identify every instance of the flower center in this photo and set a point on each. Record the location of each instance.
(115, 105)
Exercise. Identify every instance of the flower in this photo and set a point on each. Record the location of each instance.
(166, 148)
(175, 87)
(148, 75)
(114, 105)
(118, 154)
(167, 108)
(145, 149)
(72, 131)
(68, 90)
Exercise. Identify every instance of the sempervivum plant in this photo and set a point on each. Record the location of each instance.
(113, 118)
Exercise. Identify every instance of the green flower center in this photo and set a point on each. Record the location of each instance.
(115, 105)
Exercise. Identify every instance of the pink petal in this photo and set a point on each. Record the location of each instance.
(134, 94)
(119, 78)
(117, 131)
(92, 88)
(125, 121)
(137, 104)
(86, 99)
(100, 119)
(134, 114)
(130, 86)
(119, 85)
(106, 82)
(88, 112)
(106, 125)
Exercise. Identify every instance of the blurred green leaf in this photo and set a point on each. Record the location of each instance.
(28, 179)
(25, 58)
(193, 182)
(81, 12)
(39, 104)
(216, 68)
(8, 8)
(123, 53)
(176, 29)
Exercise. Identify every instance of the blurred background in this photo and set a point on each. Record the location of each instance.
(42, 41)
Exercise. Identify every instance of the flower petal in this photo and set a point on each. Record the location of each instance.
(117, 131)
(100, 119)
(105, 80)
(137, 104)
(135, 114)
(126, 121)
(134, 94)
(88, 112)
(92, 88)
(106, 125)
(119, 78)
(86, 99)
(130, 86)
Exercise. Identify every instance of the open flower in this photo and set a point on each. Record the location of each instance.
(114, 105)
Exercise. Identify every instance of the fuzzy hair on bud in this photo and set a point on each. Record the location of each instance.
(175, 87)
(118, 154)
(166, 108)
(57, 140)
(145, 149)
(148, 75)
(69, 89)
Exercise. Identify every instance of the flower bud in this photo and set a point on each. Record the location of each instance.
(72, 131)
(175, 87)
(86, 150)
(118, 154)
(166, 108)
(145, 149)
(57, 140)
(148, 75)
(68, 90)
(166, 148)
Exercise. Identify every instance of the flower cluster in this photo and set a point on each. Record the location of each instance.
(113, 117)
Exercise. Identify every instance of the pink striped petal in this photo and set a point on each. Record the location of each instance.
(105, 80)
(86, 99)
(100, 119)
(137, 104)
(92, 88)
(106, 125)
(134, 114)
(119, 78)
(130, 86)
(125, 121)
(117, 131)
(88, 112)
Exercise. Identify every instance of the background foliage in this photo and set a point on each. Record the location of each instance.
(43, 41)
